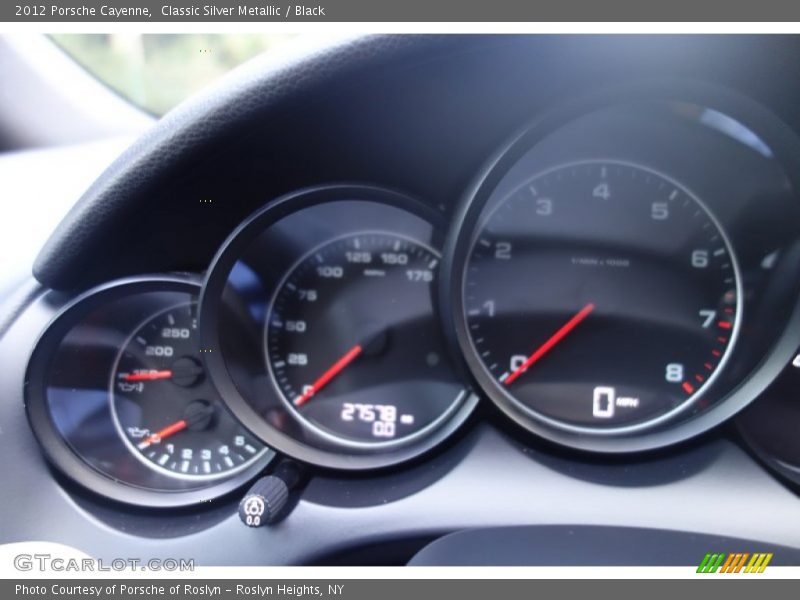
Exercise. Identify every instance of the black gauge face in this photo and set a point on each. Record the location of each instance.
(165, 408)
(601, 297)
(352, 343)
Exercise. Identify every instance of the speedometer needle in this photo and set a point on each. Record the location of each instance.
(548, 345)
(337, 368)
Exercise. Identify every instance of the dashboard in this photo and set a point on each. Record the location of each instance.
(436, 310)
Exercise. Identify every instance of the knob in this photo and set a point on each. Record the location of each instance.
(265, 500)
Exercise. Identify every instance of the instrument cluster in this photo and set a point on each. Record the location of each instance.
(621, 277)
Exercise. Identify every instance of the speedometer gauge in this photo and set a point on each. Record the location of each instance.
(322, 313)
(347, 337)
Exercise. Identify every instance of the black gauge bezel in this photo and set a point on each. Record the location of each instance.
(764, 410)
(469, 213)
(211, 296)
(59, 452)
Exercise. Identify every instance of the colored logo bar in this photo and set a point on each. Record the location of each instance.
(735, 562)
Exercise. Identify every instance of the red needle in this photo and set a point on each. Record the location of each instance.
(164, 433)
(548, 345)
(337, 368)
(147, 376)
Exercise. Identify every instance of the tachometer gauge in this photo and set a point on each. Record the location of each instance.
(623, 275)
(167, 411)
(348, 333)
(602, 295)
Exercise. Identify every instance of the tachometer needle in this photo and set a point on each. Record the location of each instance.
(337, 368)
(164, 433)
(147, 376)
(548, 345)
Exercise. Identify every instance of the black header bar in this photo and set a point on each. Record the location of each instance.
(440, 11)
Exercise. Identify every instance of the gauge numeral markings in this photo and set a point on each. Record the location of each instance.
(675, 214)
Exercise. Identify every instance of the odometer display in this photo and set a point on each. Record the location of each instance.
(352, 343)
(601, 297)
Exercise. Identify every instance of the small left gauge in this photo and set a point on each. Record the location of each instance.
(165, 408)
(119, 399)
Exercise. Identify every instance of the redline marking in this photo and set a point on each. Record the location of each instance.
(725, 324)
(708, 366)
(688, 387)
(716, 353)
